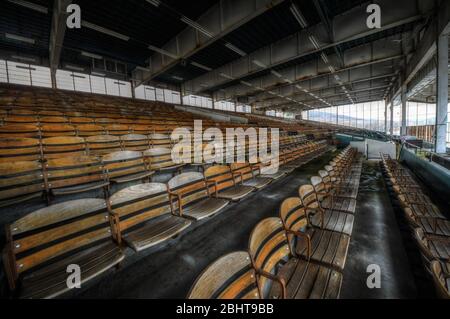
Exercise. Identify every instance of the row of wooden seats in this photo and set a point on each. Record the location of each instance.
(293, 256)
(91, 232)
(429, 227)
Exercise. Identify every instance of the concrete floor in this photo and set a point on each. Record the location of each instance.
(169, 271)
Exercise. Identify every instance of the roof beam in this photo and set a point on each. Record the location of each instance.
(348, 27)
(57, 33)
(220, 20)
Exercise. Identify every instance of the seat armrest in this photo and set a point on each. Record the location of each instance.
(114, 219)
(215, 184)
(238, 174)
(179, 197)
(275, 278)
(304, 236)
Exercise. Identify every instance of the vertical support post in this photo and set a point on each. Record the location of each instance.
(385, 117)
(404, 104)
(391, 124)
(442, 95)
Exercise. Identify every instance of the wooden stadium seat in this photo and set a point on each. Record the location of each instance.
(103, 144)
(190, 197)
(56, 130)
(81, 120)
(160, 140)
(73, 175)
(19, 119)
(126, 166)
(328, 200)
(117, 129)
(160, 159)
(224, 184)
(325, 218)
(229, 277)
(86, 130)
(429, 225)
(140, 129)
(64, 146)
(322, 246)
(333, 185)
(53, 120)
(19, 130)
(144, 216)
(249, 175)
(20, 181)
(441, 278)
(14, 149)
(134, 142)
(432, 247)
(41, 245)
(280, 274)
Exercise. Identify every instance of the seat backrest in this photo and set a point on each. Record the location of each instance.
(53, 232)
(19, 149)
(117, 129)
(85, 130)
(19, 130)
(58, 147)
(80, 120)
(192, 186)
(159, 158)
(123, 163)
(55, 130)
(21, 119)
(441, 278)
(229, 277)
(73, 171)
(160, 140)
(53, 120)
(138, 204)
(103, 144)
(18, 179)
(222, 175)
(293, 214)
(319, 187)
(134, 142)
(243, 170)
(308, 197)
(268, 247)
(140, 129)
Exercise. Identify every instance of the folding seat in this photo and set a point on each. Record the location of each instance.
(41, 246)
(312, 243)
(325, 218)
(53, 130)
(53, 120)
(160, 159)
(63, 146)
(429, 225)
(140, 129)
(329, 200)
(73, 175)
(20, 182)
(126, 166)
(332, 184)
(117, 129)
(280, 274)
(134, 142)
(432, 247)
(86, 130)
(81, 120)
(50, 113)
(224, 183)
(266, 171)
(341, 180)
(103, 144)
(249, 175)
(229, 277)
(190, 197)
(143, 216)
(441, 278)
(19, 119)
(14, 149)
(160, 140)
